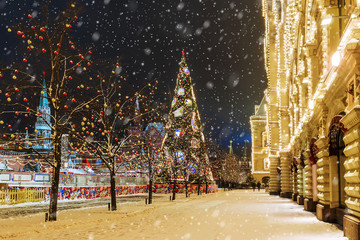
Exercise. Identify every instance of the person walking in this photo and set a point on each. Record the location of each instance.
(253, 184)
(259, 186)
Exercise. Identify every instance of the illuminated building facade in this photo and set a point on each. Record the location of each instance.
(312, 59)
(260, 164)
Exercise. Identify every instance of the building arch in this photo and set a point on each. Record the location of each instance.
(264, 139)
(265, 180)
(336, 153)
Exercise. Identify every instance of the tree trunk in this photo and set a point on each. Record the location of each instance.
(186, 188)
(199, 185)
(54, 193)
(113, 190)
(55, 181)
(150, 190)
(206, 185)
(174, 190)
(150, 181)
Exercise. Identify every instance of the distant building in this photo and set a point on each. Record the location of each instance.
(20, 160)
(245, 165)
(68, 157)
(11, 160)
(216, 167)
(134, 131)
(43, 122)
(260, 165)
(138, 137)
(42, 142)
(156, 132)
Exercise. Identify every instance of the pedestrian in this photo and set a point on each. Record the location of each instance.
(258, 185)
(253, 184)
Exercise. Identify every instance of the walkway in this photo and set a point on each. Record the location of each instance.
(229, 215)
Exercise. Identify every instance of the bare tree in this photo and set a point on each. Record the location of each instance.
(51, 67)
(153, 160)
(103, 130)
(226, 167)
(231, 170)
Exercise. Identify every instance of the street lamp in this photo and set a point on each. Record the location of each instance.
(336, 58)
(327, 20)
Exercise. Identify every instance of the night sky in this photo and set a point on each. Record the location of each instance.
(223, 40)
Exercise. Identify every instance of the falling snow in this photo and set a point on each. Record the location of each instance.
(223, 41)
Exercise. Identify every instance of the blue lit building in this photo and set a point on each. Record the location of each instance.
(42, 128)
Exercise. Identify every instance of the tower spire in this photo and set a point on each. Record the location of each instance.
(245, 149)
(44, 102)
(137, 104)
(231, 148)
(42, 125)
(137, 113)
(27, 138)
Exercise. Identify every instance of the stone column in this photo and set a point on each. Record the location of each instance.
(308, 201)
(274, 185)
(351, 222)
(323, 210)
(285, 174)
(292, 183)
(308, 176)
(315, 183)
(300, 184)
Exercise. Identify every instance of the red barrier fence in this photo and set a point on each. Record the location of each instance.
(71, 193)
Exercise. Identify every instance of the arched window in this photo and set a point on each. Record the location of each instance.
(264, 139)
(336, 134)
(336, 148)
(266, 164)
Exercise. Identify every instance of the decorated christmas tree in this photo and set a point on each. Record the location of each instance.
(184, 142)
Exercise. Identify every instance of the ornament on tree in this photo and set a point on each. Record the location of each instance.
(168, 125)
(181, 92)
(173, 102)
(195, 143)
(179, 112)
(188, 102)
(179, 132)
(186, 71)
(193, 167)
(193, 123)
(180, 156)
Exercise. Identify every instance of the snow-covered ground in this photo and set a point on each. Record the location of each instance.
(23, 209)
(229, 215)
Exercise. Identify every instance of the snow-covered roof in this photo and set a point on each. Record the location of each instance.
(261, 109)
